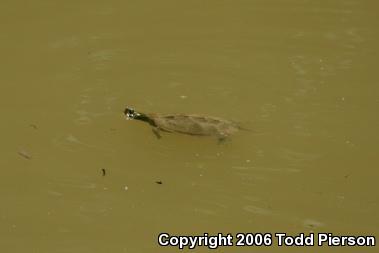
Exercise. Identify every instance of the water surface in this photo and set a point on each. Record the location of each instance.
(301, 74)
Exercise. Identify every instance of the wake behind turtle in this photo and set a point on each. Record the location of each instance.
(190, 124)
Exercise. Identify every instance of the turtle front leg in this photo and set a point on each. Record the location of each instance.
(156, 132)
(222, 138)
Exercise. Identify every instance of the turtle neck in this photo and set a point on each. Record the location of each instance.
(145, 118)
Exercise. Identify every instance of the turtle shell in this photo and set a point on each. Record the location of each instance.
(194, 124)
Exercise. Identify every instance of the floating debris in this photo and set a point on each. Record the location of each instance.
(258, 210)
(103, 172)
(24, 154)
(158, 182)
(310, 223)
(33, 126)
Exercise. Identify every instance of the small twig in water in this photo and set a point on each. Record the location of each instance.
(24, 154)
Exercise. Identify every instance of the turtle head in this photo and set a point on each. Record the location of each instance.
(130, 113)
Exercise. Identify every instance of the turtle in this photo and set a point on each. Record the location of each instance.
(190, 124)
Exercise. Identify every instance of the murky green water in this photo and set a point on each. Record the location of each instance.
(301, 74)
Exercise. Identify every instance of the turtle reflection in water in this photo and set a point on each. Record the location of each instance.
(186, 124)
